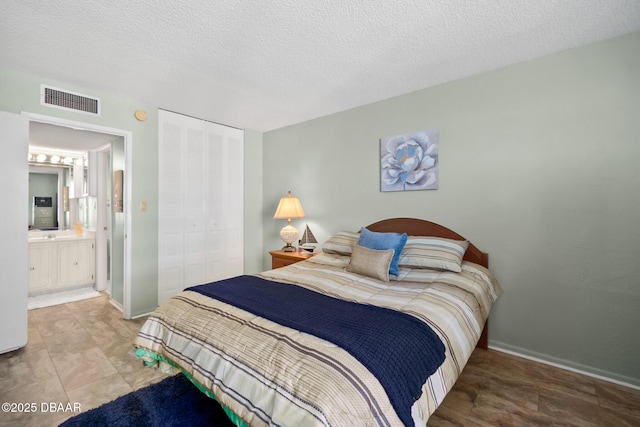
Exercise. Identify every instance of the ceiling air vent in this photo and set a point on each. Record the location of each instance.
(71, 101)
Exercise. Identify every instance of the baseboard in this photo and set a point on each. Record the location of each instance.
(116, 304)
(566, 365)
(137, 316)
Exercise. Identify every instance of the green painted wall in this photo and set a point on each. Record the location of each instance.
(19, 92)
(538, 167)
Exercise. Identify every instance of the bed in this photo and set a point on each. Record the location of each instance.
(335, 339)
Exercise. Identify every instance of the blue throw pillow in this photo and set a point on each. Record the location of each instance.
(383, 241)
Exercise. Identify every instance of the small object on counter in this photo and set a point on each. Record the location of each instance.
(79, 229)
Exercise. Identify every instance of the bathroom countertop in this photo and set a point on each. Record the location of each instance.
(37, 236)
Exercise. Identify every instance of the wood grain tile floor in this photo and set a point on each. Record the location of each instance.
(81, 353)
(497, 389)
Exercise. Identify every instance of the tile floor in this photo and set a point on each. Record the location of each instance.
(79, 352)
(82, 353)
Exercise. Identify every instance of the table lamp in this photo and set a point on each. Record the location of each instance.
(289, 207)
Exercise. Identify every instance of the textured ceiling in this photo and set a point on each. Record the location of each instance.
(266, 64)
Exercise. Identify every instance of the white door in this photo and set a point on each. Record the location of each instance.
(194, 207)
(13, 229)
(216, 223)
(40, 266)
(103, 199)
(200, 216)
(170, 207)
(76, 263)
(225, 202)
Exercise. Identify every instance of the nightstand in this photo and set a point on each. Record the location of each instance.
(282, 259)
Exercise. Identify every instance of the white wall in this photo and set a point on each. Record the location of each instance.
(538, 167)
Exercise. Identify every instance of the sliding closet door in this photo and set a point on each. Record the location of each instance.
(200, 202)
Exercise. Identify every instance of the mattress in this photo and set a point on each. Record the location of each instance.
(270, 374)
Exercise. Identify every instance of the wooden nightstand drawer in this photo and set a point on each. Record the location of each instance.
(282, 259)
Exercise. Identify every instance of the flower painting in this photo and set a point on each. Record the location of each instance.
(410, 161)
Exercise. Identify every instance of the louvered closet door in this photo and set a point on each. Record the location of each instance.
(201, 197)
(194, 204)
(225, 202)
(171, 135)
(216, 218)
(234, 200)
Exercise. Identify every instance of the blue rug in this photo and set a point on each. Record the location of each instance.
(172, 402)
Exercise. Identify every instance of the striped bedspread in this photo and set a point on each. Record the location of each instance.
(269, 374)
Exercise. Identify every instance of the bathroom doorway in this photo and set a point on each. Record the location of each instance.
(108, 151)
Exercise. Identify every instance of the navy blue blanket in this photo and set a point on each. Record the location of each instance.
(400, 350)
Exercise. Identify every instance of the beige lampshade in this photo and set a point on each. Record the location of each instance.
(289, 207)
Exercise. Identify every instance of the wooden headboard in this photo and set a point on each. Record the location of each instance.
(420, 227)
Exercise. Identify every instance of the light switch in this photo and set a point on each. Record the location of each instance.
(143, 205)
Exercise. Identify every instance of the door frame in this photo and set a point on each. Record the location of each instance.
(128, 144)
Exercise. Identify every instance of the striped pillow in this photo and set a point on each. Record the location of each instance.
(433, 252)
(341, 243)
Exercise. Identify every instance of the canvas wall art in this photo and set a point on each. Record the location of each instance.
(410, 161)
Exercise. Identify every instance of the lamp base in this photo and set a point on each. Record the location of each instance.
(289, 234)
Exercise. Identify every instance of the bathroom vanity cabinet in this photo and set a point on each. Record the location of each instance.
(76, 263)
(57, 264)
(41, 259)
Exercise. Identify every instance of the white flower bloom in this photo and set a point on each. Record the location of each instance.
(409, 162)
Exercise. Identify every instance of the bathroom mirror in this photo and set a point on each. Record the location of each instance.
(55, 182)
(45, 203)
